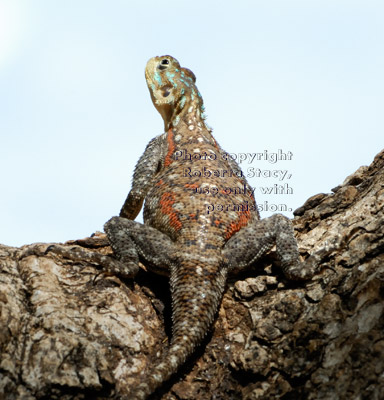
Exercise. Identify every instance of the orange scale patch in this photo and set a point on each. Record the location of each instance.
(192, 186)
(171, 149)
(242, 221)
(166, 202)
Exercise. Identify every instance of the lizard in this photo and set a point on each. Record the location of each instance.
(182, 175)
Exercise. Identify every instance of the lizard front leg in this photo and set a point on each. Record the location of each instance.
(149, 164)
(253, 241)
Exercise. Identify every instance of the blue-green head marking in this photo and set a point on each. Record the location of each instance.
(173, 90)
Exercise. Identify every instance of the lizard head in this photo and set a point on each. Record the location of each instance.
(173, 90)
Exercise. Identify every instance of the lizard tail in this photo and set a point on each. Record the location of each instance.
(196, 294)
(162, 371)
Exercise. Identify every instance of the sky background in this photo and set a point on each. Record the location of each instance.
(75, 112)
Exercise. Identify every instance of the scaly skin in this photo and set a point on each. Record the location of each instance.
(183, 236)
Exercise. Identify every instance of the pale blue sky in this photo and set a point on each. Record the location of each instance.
(75, 113)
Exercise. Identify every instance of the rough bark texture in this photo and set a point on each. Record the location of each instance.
(68, 331)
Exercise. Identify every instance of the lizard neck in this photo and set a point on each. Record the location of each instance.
(189, 113)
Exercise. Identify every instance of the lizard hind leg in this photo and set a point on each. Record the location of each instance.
(253, 241)
(132, 242)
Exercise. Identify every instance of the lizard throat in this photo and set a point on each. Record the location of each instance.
(190, 112)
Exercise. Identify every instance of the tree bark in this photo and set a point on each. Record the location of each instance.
(69, 331)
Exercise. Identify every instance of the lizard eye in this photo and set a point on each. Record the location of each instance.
(163, 64)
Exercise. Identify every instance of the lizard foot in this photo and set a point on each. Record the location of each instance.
(301, 271)
(111, 265)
